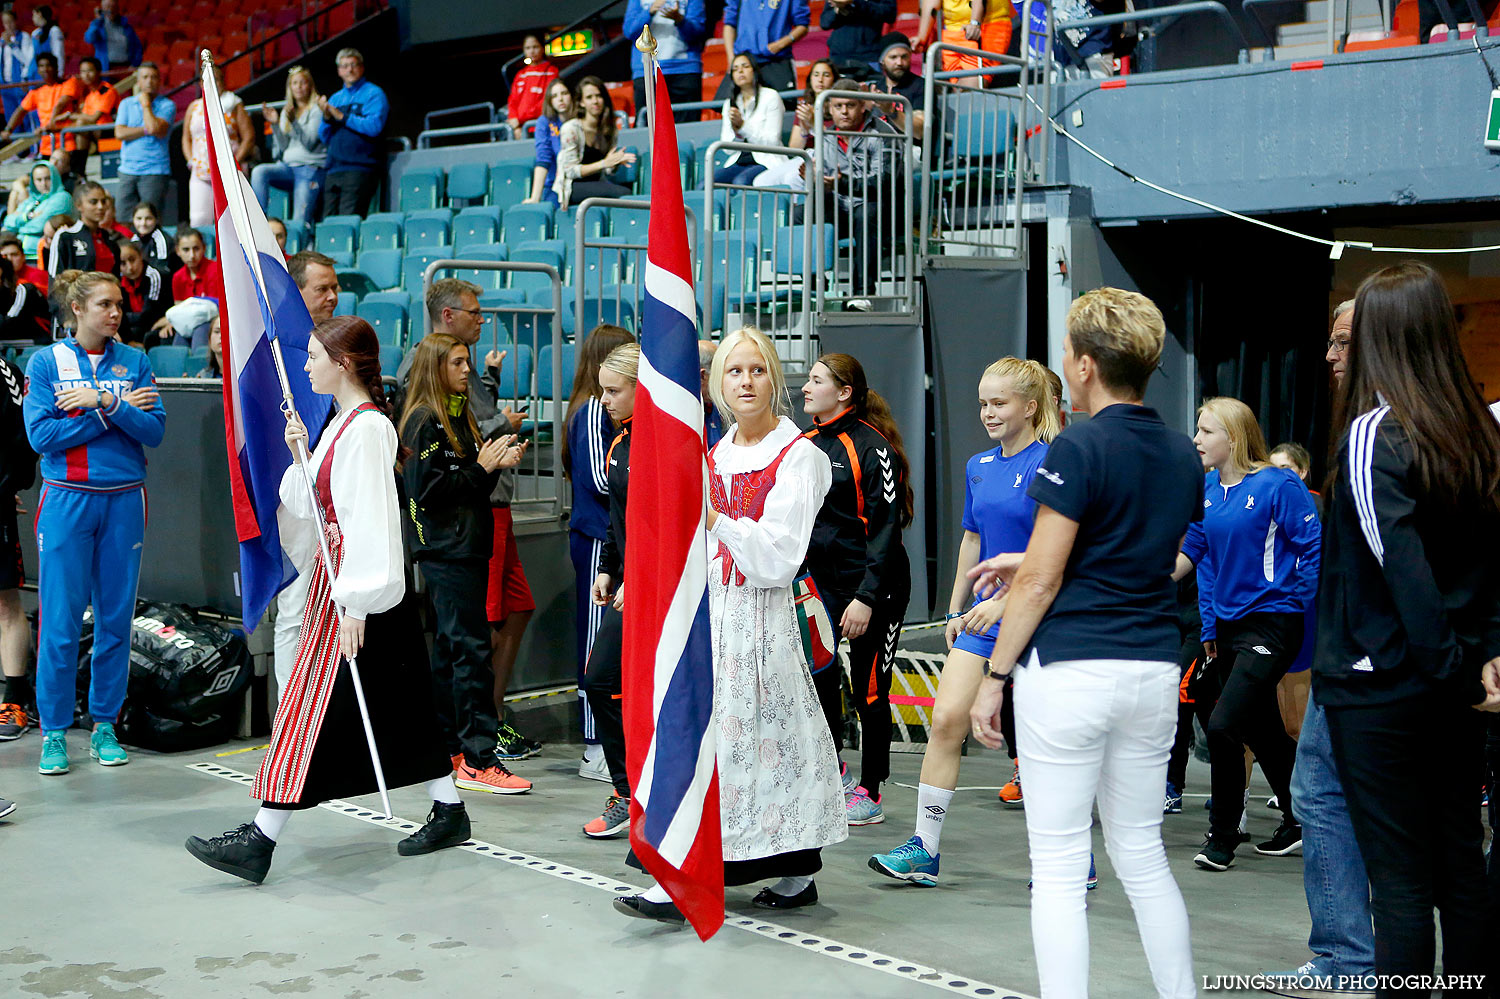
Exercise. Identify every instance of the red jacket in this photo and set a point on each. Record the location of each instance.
(207, 284)
(529, 90)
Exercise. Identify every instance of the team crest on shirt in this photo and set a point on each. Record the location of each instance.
(1250, 503)
(120, 371)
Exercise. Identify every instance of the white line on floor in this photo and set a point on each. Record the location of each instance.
(909, 970)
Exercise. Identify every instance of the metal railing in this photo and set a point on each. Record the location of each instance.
(614, 264)
(757, 267)
(641, 118)
(1171, 15)
(498, 131)
(872, 206)
(540, 487)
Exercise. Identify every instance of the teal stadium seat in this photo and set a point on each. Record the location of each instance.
(168, 361)
(486, 279)
(544, 384)
(429, 228)
(515, 373)
(416, 263)
(390, 360)
(298, 236)
(355, 280)
(510, 182)
(611, 304)
(208, 231)
(381, 231)
(421, 189)
(526, 222)
(476, 226)
(542, 251)
(388, 319)
(336, 237)
(382, 266)
(347, 304)
(467, 183)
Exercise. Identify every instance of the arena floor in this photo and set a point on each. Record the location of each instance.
(106, 903)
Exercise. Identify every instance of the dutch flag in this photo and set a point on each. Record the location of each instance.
(260, 303)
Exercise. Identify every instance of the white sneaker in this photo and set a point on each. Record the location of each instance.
(595, 769)
(859, 305)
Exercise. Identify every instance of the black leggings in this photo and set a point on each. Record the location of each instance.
(1254, 654)
(602, 686)
(462, 680)
(870, 658)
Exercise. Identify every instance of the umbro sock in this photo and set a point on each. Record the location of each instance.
(787, 887)
(932, 807)
(270, 821)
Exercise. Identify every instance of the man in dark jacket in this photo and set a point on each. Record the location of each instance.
(856, 26)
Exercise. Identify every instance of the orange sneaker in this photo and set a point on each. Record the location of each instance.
(1010, 794)
(13, 722)
(492, 780)
(614, 820)
(457, 760)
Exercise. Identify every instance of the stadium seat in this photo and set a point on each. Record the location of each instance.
(298, 236)
(278, 204)
(168, 361)
(630, 223)
(486, 279)
(208, 240)
(198, 358)
(478, 226)
(467, 182)
(346, 305)
(390, 360)
(528, 282)
(627, 173)
(533, 328)
(515, 373)
(428, 228)
(501, 296)
(337, 236)
(388, 318)
(977, 142)
(790, 252)
(542, 251)
(421, 189)
(733, 255)
(510, 182)
(397, 297)
(382, 266)
(606, 264)
(610, 304)
(416, 263)
(686, 153)
(544, 383)
(381, 231)
(526, 222)
(355, 280)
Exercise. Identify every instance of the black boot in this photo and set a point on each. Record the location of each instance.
(447, 825)
(244, 852)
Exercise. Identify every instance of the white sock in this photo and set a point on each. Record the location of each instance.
(657, 894)
(932, 806)
(593, 752)
(787, 887)
(270, 821)
(442, 789)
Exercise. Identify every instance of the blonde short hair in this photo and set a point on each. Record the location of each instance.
(1247, 445)
(1030, 380)
(779, 405)
(1122, 331)
(624, 360)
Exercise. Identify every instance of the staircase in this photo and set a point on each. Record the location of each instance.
(1309, 39)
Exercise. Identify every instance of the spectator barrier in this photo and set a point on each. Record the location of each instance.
(1171, 14)
(535, 376)
(614, 265)
(866, 176)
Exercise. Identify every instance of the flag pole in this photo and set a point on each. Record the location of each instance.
(234, 194)
(646, 45)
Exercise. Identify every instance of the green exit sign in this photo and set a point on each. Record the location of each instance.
(571, 43)
(1492, 127)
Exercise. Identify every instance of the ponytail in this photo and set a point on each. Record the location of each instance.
(870, 407)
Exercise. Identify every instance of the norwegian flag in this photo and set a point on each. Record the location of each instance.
(667, 656)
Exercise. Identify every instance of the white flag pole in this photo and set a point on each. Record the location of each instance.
(234, 193)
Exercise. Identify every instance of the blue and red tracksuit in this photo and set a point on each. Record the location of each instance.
(90, 520)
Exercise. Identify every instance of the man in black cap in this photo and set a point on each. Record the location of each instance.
(896, 77)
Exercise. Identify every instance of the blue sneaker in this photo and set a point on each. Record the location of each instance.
(105, 748)
(846, 778)
(54, 753)
(1173, 802)
(1309, 980)
(861, 809)
(908, 862)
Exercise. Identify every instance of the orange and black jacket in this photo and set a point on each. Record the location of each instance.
(856, 550)
(617, 472)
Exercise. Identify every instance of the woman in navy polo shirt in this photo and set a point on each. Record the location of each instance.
(1091, 611)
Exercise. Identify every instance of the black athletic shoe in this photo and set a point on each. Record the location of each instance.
(1286, 839)
(637, 906)
(447, 825)
(1215, 856)
(244, 852)
(768, 899)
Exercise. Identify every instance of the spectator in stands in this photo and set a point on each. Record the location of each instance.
(713, 420)
(680, 28)
(141, 125)
(195, 147)
(199, 276)
(862, 188)
(975, 24)
(12, 250)
(116, 45)
(146, 293)
(559, 108)
(586, 149)
(94, 104)
(856, 26)
(529, 86)
(318, 281)
(112, 221)
(47, 36)
(353, 121)
(751, 115)
(767, 32)
(17, 51)
(156, 245)
(788, 173)
(301, 156)
(62, 160)
(278, 229)
(46, 197)
(896, 77)
(215, 366)
(42, 100)
(86, 244)
(24, 315)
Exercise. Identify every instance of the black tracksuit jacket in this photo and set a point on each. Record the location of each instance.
(617, 471)
(447, 493)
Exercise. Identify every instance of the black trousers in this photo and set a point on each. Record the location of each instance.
(1177, 762)
(462, 680)
(602, 687)
(874, 224)
(1254, 654)
(1422, 851)
(870, 659)
(1492, 752)
(683, 88)
(348, 192)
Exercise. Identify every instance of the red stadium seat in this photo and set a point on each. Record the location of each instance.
(237, 74)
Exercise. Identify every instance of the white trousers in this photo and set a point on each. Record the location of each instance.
(290, 604)
(1099, 729)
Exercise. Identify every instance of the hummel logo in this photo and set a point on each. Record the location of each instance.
(936, 810)
(1250, 503)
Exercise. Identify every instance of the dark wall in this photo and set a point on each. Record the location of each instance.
(425, 21)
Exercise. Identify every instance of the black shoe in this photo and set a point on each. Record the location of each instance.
(1287, 838)
(768, 899)
(640, 908)
(447, 825)
(244, 852)
(1215, 856)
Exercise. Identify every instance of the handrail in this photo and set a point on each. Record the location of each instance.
(479, 106)
(490, 128)
(1251, 7)
(785, 95)
(1171, 12)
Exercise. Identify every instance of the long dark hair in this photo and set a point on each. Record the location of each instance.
(807, 94)
(352, 342)
(870, 407)
(1405, 354)
(591, 353)
(548, 111)
(604, 131)
(755, 81)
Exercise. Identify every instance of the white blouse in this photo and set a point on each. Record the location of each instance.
(372, 576)
(771, 550)
(762, 124)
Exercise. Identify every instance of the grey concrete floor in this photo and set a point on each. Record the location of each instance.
(104, 902)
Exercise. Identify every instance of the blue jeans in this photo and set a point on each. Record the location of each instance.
(1333, 873)
(305, 183)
